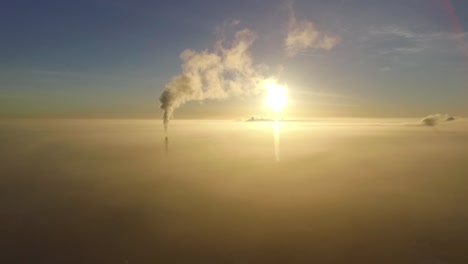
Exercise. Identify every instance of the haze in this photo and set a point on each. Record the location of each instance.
(343, 191)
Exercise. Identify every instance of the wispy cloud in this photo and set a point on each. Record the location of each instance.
(391, 30)
(399, 50)
(303, 35)
(235, 22)
(405, 41)
(408, 50)
(385, 69)
(397, 44)
(319, 93)
(326, 98)
(65, 74)
(408, 34)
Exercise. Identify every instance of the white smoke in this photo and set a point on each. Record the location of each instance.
(221, 73)
(433, 120)
(304, 35)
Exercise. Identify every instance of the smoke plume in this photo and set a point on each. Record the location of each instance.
(303, 35)
(221, 73)
(433, 120)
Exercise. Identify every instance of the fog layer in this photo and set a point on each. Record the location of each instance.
(323, 191)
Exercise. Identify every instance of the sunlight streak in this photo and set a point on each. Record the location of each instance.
(276, 132)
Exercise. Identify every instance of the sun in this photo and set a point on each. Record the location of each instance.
(276, 96)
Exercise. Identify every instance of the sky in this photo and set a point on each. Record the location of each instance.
(338, 58)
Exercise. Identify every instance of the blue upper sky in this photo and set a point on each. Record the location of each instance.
(113, 58)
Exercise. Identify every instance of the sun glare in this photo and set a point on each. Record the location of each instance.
(276, 96)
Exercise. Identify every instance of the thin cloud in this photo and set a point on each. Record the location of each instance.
(303, 35)
(391, 30)
(318, 93)
(405, 33)
(64, 74)
(416, 37)
(326, 98)
(235, 22)
(408, 50)
(397, 43)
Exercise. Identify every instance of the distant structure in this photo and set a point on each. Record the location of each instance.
(258, 119)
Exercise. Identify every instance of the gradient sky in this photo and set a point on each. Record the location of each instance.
(112, 58)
